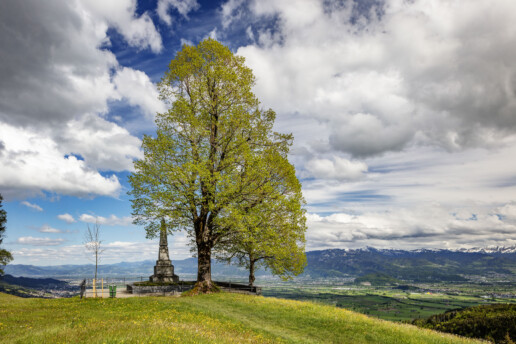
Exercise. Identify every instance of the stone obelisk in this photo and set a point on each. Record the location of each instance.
(163, 270)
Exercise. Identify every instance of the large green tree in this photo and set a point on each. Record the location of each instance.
(5, 256)
(208, 153)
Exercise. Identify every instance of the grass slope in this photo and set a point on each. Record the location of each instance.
(216, 318)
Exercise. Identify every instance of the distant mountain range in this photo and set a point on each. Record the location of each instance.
(488, 249)
(143, 268)
(418, 265)
(423, 265)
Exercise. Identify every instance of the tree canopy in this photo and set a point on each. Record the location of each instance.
(211, 157)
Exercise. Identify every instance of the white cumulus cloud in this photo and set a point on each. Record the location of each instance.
(136, 87)
(29, 240)
(112, 220)
(230, 11)
(32, 162)
(139, 31)
(182, 6)
(48, 229)
(338, 168)
(508, 211)
(31, 205)
(104, 145)
(66, 218)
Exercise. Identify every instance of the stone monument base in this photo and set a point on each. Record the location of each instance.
(172, 289)
(177, 288)
(164, 272)
(164, 279)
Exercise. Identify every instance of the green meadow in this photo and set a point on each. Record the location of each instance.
(389, 303)
(215, 318)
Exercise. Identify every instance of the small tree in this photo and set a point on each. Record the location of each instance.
(93, 244)
(260, 244)
(5, 256)
(268, 230)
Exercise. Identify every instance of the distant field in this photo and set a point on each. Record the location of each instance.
(391, 304)
(221, 318)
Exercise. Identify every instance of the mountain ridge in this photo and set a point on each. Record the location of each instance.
(415, 265)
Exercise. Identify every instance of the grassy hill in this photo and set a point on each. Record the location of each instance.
(220, 318)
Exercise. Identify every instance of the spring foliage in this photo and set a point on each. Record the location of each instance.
(268, 230)
(215, 158)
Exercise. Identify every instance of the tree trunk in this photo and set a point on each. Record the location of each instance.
(204, 245)
(96, 264)
(96, 267)
(203, 263)
(251, 272)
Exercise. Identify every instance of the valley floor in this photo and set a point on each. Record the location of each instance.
(391, 303)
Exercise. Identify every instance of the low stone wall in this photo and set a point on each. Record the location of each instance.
(158, 289)
(180, 287)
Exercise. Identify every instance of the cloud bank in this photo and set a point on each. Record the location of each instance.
(402, 113)
(115, 251)
(39, 241)
(58, 77)
(394, 74)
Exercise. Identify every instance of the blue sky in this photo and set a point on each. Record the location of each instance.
(403, 113)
